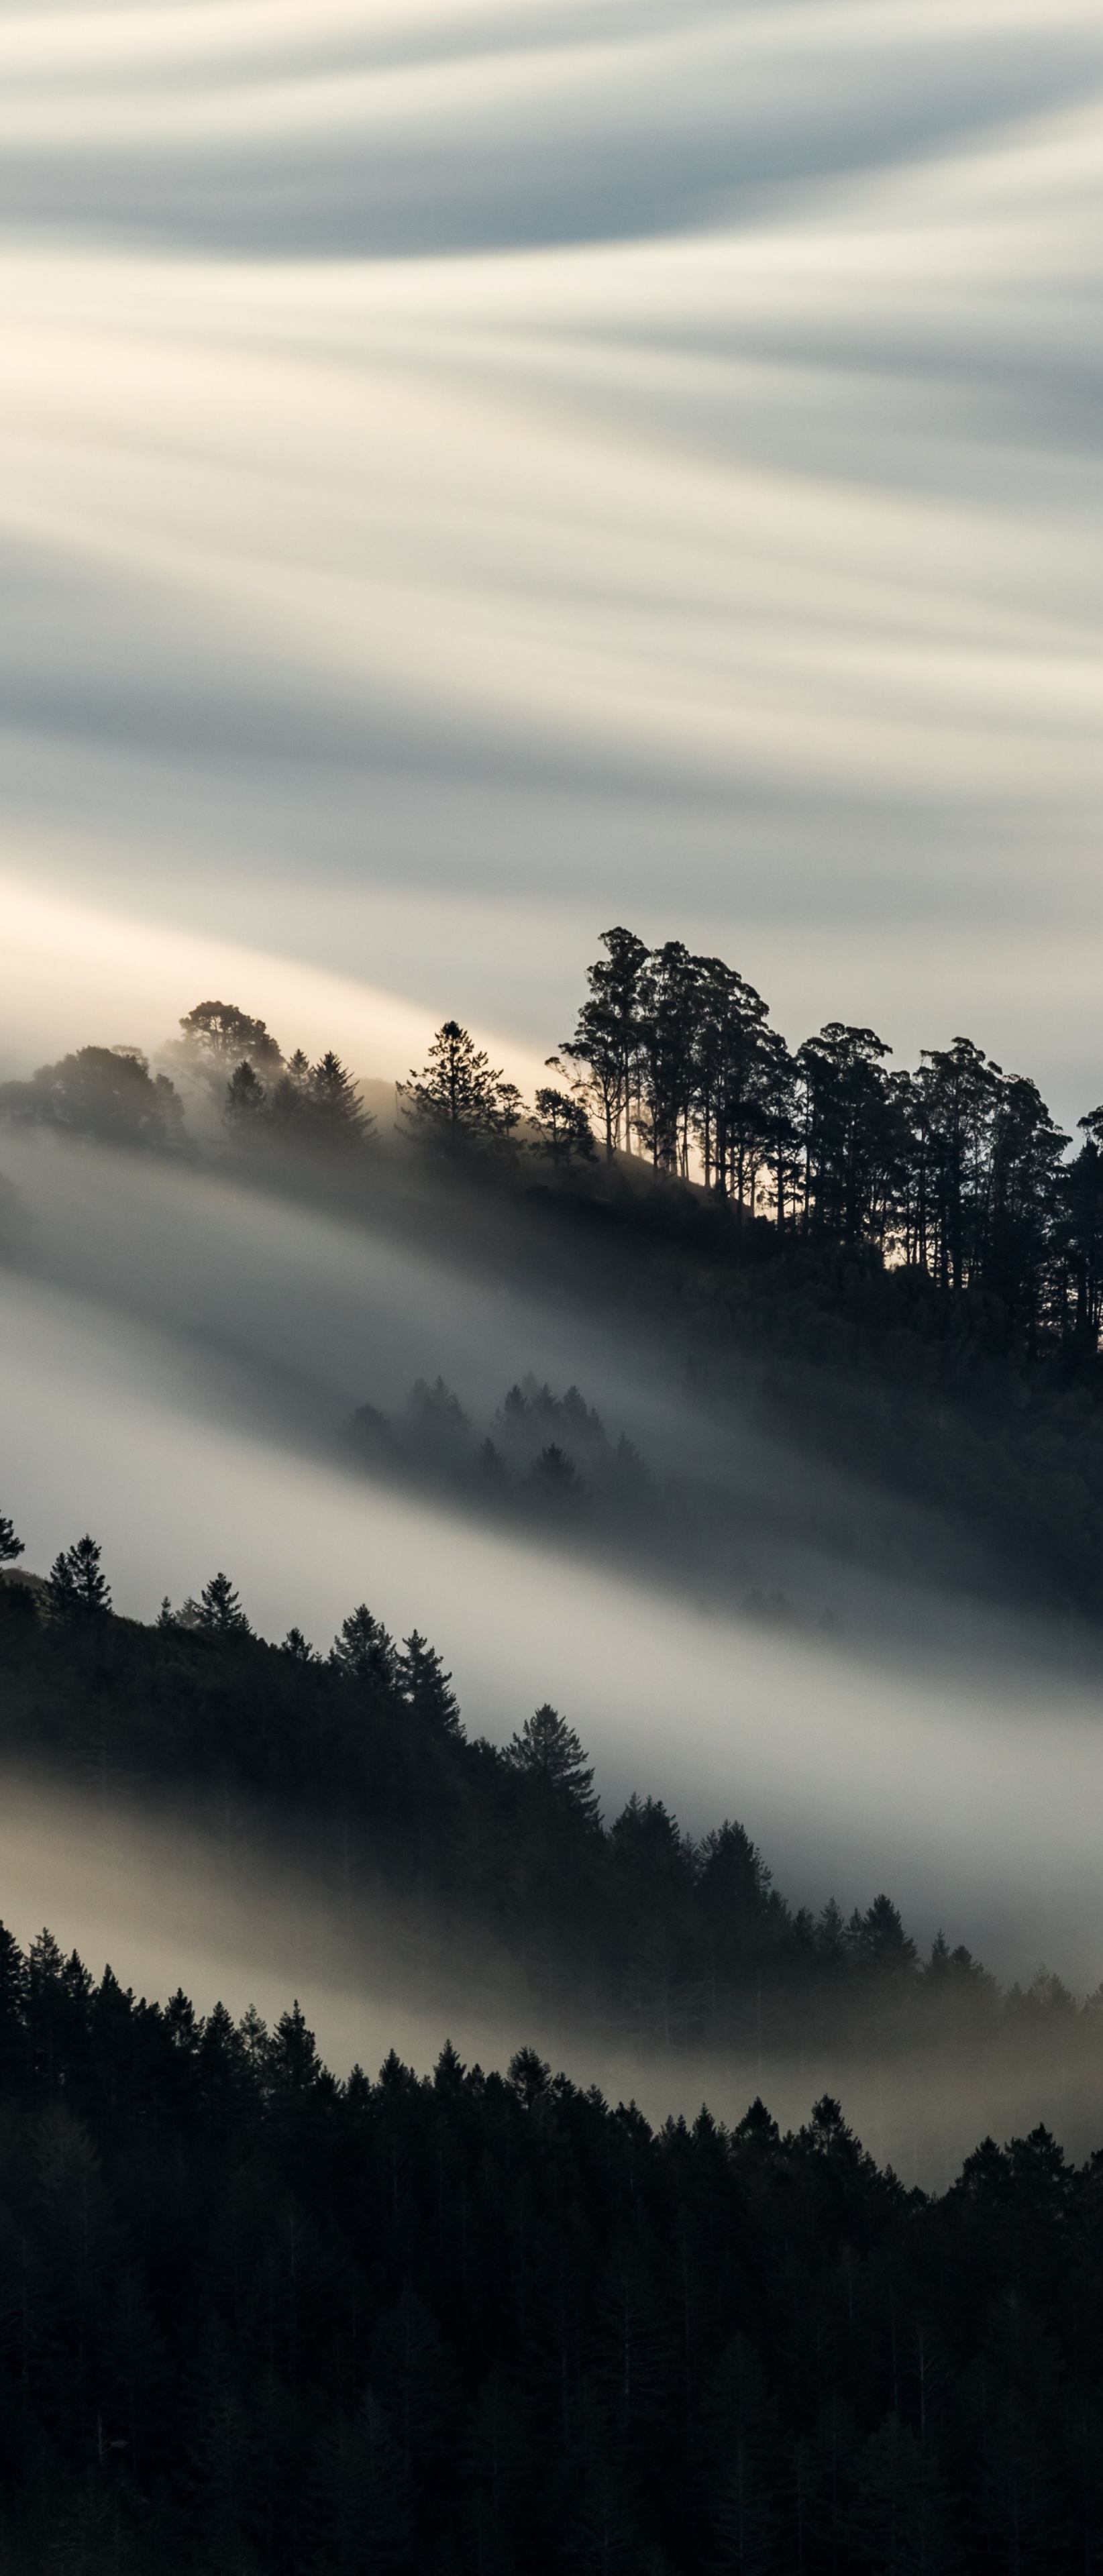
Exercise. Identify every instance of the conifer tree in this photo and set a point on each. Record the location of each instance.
(10, 1545)
(296, 1646)
(458, 1098)
(219, 1609)
(547, 1750)
(364, 1650)
(77, 1584)
(245, 1099)
(426, 1687)
(337, 1112)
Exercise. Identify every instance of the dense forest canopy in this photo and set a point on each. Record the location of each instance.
(259, 2321)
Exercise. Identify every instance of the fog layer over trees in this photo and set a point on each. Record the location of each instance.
(839, 1648)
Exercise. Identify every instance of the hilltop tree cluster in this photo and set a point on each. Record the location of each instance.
(956, 1170)
(264, 1098)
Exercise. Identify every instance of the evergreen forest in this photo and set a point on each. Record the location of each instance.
(259, 2320)
(359, 1761)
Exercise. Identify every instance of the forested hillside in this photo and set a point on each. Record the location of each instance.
(899, 1270)
(256, 2320)
(362, 1758)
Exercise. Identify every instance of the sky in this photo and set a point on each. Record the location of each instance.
(472, 473)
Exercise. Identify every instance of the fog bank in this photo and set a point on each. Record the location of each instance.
(169, 1906)
(969, 1792)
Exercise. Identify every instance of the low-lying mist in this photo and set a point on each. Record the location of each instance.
(170, 1345)
(290, 1316)
(228, 1914)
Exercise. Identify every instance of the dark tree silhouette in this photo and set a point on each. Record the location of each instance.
(606, 1040)
(297, 1647)
(77, 1584)
(10, 1545)
(219, 1035)
(425, 1686)
(548, 1751)
(458, 1099)
(562, 1130)
(364, 1650)
(219, 1609)
(339, 1114)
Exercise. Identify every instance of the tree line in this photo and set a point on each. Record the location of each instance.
(667, 1939)
(548, 1456)
(955, 1170)
(260, 2322)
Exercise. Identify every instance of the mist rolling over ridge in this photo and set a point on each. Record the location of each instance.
(551, 1485)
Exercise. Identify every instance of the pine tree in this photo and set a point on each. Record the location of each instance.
(458, 1097)
(220, 1609)
(77, 1585)
(337, 1114)
(10, 1545)
(426, 1687)
(245, 1100)
(364, 1650)
(297, 1648)
(547, 1750)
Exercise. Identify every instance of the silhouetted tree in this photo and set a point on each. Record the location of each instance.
(219, 1609)
(107, 1092)
(338, 1115)
(78, 1586)
(562, 1129)
(547, 1750)
(1079, 1228)
(425, 1686)
(296, 1646)
(364, 1650)
(219, 1035)
(606, 1039)
(10, 1545)
(457, 1099)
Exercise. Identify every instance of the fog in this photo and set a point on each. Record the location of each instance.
(472, 471)
(177, 1357)
(235, 1918)
(289, 1317)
